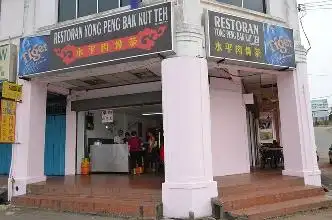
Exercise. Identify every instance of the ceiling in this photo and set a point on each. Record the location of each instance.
(142, 72)
(111, 80)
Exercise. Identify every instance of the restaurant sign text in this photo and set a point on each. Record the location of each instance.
(241, 39)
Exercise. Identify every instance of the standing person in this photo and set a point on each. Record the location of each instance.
(134, 144)
(117, 138)
(152, 153)
(126, 138)
(152, 141)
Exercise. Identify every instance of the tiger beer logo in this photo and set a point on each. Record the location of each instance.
(281, 44)
(35, 53)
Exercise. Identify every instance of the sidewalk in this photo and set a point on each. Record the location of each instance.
(325, 214)
(35, 214)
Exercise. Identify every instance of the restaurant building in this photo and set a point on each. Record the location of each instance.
(218, 79)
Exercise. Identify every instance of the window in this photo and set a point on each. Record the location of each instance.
(86, 7)
(72, 9)
(104, 5)
(256, 5)
(67, 10)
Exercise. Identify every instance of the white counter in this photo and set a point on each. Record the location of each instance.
(109, 158)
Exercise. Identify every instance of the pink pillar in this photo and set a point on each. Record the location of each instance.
(189, 184)
(297, 135)
(28, 152)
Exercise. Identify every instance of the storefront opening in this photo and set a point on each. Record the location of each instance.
(106, 143)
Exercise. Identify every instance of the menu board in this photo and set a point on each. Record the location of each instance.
(8, 121)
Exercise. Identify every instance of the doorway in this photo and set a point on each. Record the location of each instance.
(105, 144)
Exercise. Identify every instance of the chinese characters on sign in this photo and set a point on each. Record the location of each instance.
(131, 34)
(8, 121)
(127, 35)
(241, 39)
(107, 116)
(11, 91)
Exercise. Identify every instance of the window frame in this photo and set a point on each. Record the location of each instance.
(76, 10)
(242, 6)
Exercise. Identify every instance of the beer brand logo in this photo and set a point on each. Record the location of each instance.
(281, 44)
(35, 53)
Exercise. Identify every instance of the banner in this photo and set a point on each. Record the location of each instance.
(127, 35)
(241, 39)
(266, 127)
(8, 121)
(11, 91)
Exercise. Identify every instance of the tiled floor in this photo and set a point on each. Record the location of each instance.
(108, 180)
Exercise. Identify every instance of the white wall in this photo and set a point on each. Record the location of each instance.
(46, 13)
(229, 129)
(80, 140)
(11, 18)
(71, 132)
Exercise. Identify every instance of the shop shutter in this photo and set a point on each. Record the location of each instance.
(55, 145)
(5, 158)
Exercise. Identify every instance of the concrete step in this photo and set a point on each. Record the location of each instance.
(270, 196)
(90, 205)
(271, 183)
(282, 208)
(92, 191)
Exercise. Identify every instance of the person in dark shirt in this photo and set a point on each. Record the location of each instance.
(135, 144)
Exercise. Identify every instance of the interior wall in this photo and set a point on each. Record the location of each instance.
(229, 128)
(80, 140)
(123, 121)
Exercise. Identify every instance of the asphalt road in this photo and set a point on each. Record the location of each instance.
(323, 136)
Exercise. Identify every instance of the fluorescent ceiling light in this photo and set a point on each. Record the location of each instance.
(156, 113)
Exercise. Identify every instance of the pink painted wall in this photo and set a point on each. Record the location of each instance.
(28, 156)
(230, 150)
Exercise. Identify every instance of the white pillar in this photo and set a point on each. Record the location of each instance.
(189, 184)
(28, 152)
(297, 135)
(70, 166)
(80, 140)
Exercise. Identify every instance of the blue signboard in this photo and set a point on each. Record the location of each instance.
(34, 55)
(279, 45)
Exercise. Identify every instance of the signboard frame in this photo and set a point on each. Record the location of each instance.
(238, 61)
(12, 53)
(168, 51)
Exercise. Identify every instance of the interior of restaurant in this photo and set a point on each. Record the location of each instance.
(109, 144)
(263, 122)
